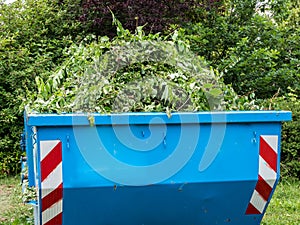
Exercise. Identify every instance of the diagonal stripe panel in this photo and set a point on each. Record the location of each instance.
(49, 216)
(258, 202)
(57, 220)
(272, 141)
(267, 174)
(252, 210)
(51, 182)
(51, 161)
(268, 154)
(47, 146)
(52, 198)
(263, 188)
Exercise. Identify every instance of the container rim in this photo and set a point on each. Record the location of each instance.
(83, 119)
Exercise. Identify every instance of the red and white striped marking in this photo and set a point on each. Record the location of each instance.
(267, 174)
(51, 182)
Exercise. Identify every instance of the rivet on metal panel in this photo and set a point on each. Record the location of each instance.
(254, 137)
(68, 142)
(164, 141)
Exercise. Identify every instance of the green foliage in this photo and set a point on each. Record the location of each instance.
(132, 72)
(290, 144)
(290, 139)
(32, 40)
(254, 52)
(12, 210)
(290, 156)
(285, 204)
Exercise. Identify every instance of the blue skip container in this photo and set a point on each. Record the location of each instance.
(150, 169)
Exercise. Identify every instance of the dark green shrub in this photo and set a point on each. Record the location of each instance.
(33, 36)
(252, 51)
(155, 16)
(290, 156)
(290, 138)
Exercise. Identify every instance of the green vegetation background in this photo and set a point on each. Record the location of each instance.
(255, 54)
(255, 50)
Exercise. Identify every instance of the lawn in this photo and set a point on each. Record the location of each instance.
(284, 208)
(12, 210)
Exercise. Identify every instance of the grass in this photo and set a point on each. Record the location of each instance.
(12, 210)
(284, 208)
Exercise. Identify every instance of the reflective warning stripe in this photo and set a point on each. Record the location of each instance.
(51, 182)
(267, 174)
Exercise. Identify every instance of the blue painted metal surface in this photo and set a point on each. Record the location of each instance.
(67, 119)
(30, 139)
(146, 168)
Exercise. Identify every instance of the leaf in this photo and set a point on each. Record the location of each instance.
(215, 92)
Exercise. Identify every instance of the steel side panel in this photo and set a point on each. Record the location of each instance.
(217, 195)
(195, 203)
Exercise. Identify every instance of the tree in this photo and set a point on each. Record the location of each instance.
(254, 52)
(33, 36)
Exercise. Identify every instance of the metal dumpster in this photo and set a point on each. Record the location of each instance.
(199, 168)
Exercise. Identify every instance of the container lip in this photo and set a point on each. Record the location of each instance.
(83, 119)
